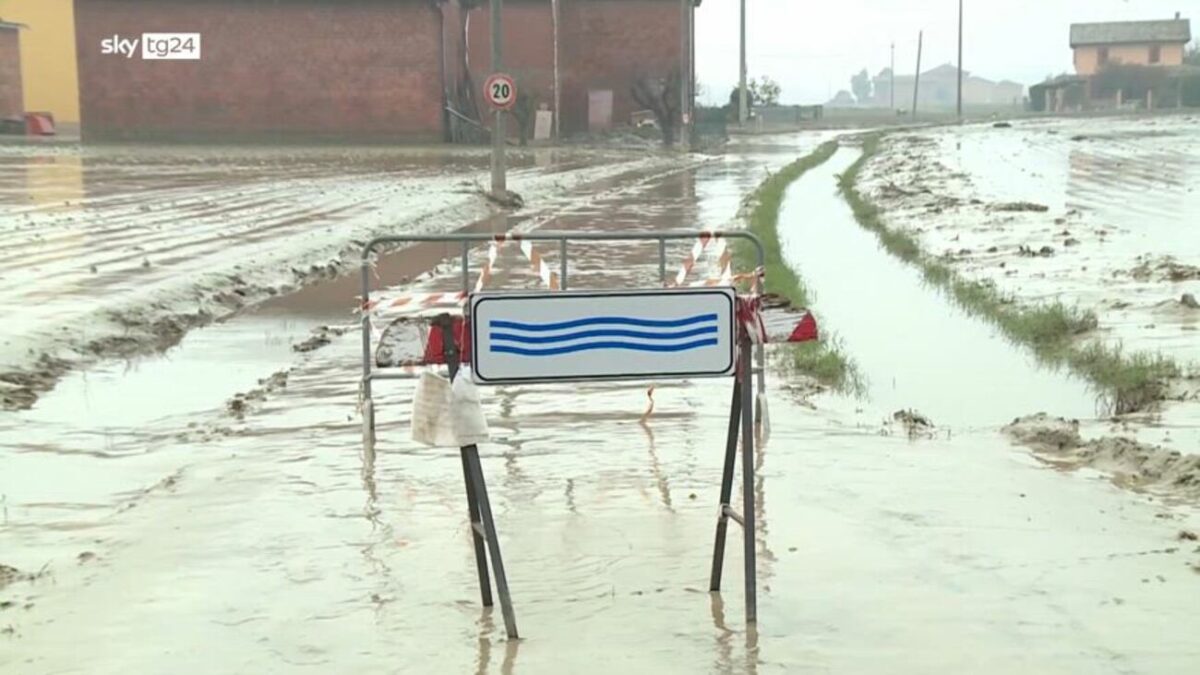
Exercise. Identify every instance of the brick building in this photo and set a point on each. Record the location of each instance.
(359, 69)
(12, 98)
(267, 68)
(604, 47)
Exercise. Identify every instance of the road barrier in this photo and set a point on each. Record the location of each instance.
(706, 329)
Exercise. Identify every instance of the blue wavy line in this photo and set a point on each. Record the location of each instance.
(587, 346)
(602, 332)
(594, 320)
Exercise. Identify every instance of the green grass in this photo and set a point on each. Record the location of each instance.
(824, 360)
(1130, 382)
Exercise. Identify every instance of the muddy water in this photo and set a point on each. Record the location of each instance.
(914, 347)
(270, 544)
(104, 251)
(1120, 194)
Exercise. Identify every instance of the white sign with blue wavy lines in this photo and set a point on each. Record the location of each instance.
(602, 335)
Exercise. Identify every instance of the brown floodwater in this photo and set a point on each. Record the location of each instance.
(175, 536)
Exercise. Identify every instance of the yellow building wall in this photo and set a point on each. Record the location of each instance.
(48, 66)
(1087, 59)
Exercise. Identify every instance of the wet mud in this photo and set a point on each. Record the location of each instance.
(272, 542)
(1131, 464)
(118, 252)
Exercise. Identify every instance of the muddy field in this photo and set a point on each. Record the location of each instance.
(118, 252)
(211, 509)
(1099, 214)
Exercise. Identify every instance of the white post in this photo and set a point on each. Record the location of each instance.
(743, 104)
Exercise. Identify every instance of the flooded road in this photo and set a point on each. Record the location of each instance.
(175, 535)
(116, 251)
(915, 348)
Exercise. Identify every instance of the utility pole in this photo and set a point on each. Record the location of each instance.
(554, 18)
(960, 63)
(743, 106)
(685, 70)
(917, 77)
(892, 86)
(499, 182)
(692, 67)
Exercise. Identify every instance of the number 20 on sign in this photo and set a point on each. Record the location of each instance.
(500, 91)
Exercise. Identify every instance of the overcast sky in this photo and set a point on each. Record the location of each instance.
(813, 47)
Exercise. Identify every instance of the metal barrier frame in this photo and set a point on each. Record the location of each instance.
(741, 413)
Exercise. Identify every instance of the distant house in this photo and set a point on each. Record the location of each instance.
(939, 89)
(1121, 65)
(1133, 43)
(12, 98)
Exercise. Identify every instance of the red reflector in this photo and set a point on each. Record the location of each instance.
(806, 330)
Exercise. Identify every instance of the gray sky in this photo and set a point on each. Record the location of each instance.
(813, 47)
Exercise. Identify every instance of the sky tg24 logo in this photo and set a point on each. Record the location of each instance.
(154, 46)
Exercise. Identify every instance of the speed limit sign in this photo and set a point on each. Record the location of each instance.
(500, 91)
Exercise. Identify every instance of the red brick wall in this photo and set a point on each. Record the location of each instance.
(613, 42)
(269, 68)
(604, 44)
(12, 99)
(528, 47)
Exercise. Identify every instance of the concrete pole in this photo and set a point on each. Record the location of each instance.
(893, 84)
(960, 63)
(743, 104)
(499, 130)
(917, 76)
(691, 67)
(684, 71)
(557, 80)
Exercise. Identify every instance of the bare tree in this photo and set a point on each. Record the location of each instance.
(660, 95)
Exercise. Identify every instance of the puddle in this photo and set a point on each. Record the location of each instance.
(915, 348)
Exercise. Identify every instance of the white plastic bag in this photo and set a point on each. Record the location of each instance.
(764, 420)
(466, 413)
(448, 415)
(431, 412)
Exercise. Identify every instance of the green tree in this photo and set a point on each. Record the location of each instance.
(765, 90)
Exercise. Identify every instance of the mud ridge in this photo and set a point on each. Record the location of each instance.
(1131, 464)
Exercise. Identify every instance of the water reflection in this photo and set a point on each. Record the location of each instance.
(487, 629)
(725, 637)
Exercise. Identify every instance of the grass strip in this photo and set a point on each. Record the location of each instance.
(823, 360)
(1130, 381)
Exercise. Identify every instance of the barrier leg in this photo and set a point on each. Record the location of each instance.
(748, 485)
(735, 412)
(475, 469)
(485, 584)
(368, 413)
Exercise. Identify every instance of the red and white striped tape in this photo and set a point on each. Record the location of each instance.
(693, 256)
(414, 302)
(540, 266)
(485, 274)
